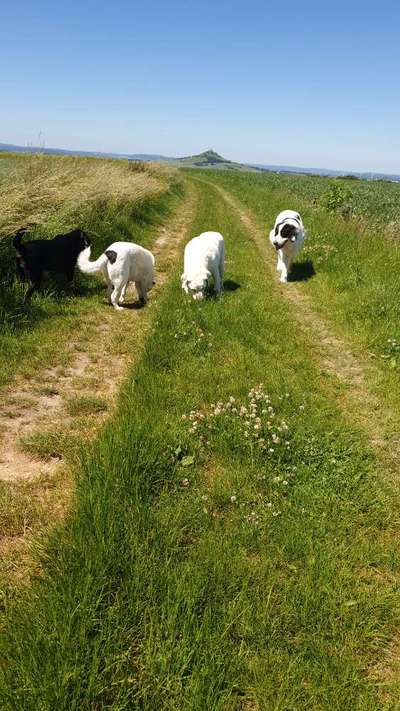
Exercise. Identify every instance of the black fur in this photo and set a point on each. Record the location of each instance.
(111, 255)
(57, 256)
(288, 231)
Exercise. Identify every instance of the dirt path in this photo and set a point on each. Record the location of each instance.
(358, 403)
(99, 362)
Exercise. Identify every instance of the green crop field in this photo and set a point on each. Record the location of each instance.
(202, 510)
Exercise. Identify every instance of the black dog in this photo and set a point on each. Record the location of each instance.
(58, 256)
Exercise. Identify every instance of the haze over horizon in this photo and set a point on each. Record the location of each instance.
(306, 86)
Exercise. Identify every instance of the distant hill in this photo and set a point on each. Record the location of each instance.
(211, 159)
(207, 159)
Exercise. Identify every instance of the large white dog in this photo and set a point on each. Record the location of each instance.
(203, 259)
(287, 237)
(121, 263)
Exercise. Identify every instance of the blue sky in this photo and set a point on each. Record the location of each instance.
(293, 83)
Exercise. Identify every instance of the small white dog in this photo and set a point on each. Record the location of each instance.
(121, 263)
(203, 259)
(287, 237)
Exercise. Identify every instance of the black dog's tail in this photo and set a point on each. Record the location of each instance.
(17, 239)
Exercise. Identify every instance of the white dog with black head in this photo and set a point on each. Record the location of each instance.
(287, 237)
(203, 259)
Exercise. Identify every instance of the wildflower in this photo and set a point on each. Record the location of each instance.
(185, 482)
(233, 499)
(204, 497)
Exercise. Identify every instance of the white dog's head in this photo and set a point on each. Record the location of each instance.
(196, 285)
(286, 231)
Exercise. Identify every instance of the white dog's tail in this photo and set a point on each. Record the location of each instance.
(88, 267)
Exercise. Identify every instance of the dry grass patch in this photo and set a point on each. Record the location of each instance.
(52, 189)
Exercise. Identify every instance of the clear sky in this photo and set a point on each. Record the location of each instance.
(307, 83)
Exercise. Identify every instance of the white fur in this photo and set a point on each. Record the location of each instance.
(133, 263)
(287, 248)
(203, 259)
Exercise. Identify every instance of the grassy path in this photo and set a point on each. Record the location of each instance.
(230, 545)
(348, 281)
(344, 372)
(45, 416)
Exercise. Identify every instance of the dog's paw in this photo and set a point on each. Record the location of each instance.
(283, 280)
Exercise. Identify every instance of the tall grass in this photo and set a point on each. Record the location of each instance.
(173, 585)
(53, 190)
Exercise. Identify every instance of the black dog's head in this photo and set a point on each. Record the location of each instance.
(80, 238)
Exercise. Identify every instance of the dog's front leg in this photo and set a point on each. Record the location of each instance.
(284, 271)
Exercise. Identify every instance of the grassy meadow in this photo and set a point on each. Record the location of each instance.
(231, 542)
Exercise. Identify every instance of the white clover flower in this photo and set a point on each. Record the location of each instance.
(233, 499)
(185, 482)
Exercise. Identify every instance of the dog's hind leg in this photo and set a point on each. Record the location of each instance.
(124, 288)
(116, 295)
(36, 280)
(221, 273)
(142, 292)
(217, 281)
(33, 287)
(109, 286)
